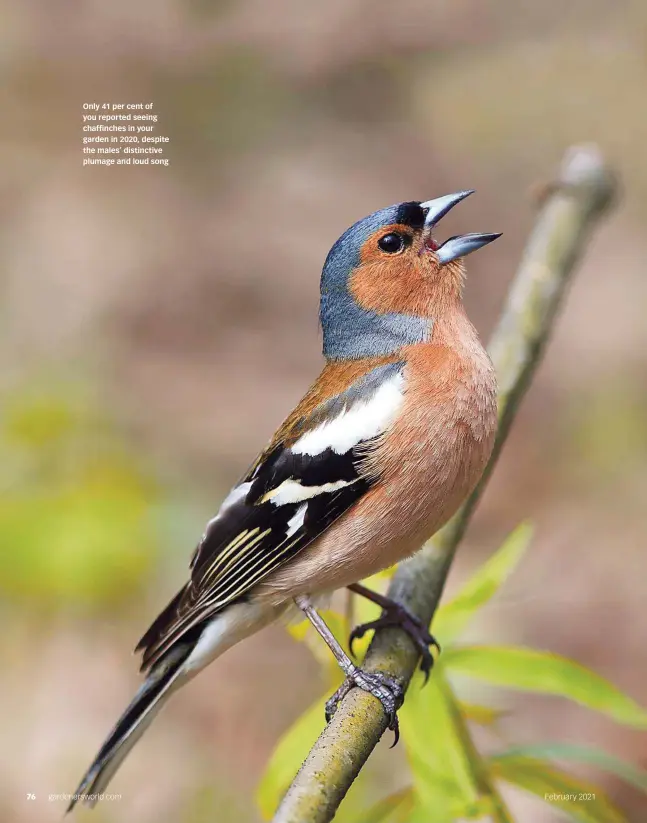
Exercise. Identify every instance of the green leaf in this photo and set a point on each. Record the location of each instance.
(304, 632)
(582, 754)
(443, 776)
(395, 808)
(580, 800)
(287, 758)
(452, 617)
(541, 671)
(482, 715)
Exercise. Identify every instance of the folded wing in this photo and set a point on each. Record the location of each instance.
(310, 474)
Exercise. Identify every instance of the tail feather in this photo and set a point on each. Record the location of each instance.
(131, 725)
(187, 656)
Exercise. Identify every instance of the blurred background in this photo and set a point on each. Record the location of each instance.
(156, 324)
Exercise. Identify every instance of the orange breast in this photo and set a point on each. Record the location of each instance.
(439, 445)
(430, 461)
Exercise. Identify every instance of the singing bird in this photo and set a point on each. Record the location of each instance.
(380, 452)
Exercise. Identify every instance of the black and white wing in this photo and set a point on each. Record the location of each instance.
(311, 473)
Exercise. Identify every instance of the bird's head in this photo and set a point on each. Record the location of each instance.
(387, 278)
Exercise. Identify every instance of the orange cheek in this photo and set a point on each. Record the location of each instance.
(388, 285)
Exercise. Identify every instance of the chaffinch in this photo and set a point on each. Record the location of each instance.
(390, 439)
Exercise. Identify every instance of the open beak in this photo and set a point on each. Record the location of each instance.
(458, 246)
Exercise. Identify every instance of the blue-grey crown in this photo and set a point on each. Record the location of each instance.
(349, 331)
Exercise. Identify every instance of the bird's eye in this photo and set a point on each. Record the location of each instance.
(391, 243)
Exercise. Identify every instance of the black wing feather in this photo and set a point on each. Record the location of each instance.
(254, 535)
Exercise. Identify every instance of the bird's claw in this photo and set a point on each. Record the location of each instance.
(385, 688)
(396, 615)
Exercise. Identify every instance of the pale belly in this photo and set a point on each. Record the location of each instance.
(425, 480)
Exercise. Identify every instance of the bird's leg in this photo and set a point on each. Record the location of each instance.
(386, 689)
(396, 615)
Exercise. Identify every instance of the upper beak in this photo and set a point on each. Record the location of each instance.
(456, 246)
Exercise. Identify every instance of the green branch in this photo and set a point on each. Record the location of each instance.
(570, 208)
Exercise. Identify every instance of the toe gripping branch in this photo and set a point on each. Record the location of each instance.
(386, 689)
(395, 615)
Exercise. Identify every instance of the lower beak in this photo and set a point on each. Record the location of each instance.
(463, 244)
(456, 246)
